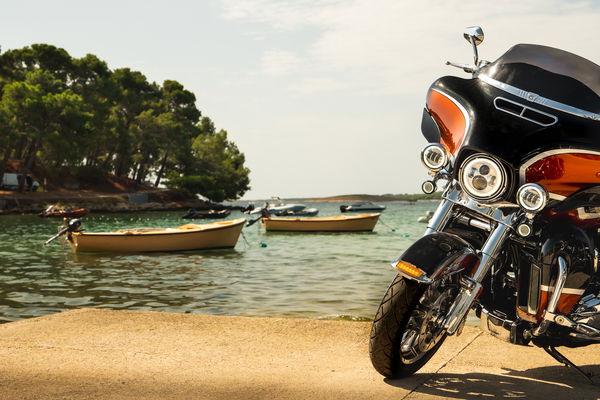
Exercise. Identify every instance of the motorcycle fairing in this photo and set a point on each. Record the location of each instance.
(533, 71)
(514, 140)
(438, 254)
(508, 137)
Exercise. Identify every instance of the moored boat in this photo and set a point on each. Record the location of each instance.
(340, 223)
(279, 208)
(307, 212)
(425, 218)
(54, 212)
(210, 214)
(362, 206)
(222, 234)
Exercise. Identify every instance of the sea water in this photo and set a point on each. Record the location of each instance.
(312, 275)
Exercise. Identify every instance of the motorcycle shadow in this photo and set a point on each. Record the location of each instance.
(556, 382)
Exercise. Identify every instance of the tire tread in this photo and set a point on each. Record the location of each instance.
(392, 314)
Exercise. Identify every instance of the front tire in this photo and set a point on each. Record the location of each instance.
(409, 316)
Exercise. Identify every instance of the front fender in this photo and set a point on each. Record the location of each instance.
(435, 255)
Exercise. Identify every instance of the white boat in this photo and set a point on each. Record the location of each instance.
(307, 212)
(223, 234)
(425, 218)
(362, 206)
(279, 207)
(341, 223)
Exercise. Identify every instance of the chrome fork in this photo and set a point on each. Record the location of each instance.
(470, 286)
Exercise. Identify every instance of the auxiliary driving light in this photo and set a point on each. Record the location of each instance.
(532, 197)
(434, 157)
(428, 187)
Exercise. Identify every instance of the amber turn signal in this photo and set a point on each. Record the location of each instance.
(410, 269)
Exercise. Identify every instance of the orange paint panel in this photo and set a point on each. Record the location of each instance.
(543, 303)
(449, 119)
(565, 303)
(566, 173)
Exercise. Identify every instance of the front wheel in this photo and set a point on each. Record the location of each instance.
(407, 329)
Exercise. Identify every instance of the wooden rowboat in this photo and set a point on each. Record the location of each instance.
(223, 234)
(341, 223)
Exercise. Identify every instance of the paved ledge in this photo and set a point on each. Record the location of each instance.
(102, 354)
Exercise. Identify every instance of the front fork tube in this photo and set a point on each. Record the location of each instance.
(440, 217)
(470, 285)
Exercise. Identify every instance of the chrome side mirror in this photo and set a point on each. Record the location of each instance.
(474, 35)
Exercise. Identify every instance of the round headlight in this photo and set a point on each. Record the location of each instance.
(434, 157)
(482, 177)
(532, 197)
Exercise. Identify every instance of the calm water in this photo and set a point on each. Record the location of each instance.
(313, 275)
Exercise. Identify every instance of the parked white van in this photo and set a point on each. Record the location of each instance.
(10, 181)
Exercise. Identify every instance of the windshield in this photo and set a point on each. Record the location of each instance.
(549, 72)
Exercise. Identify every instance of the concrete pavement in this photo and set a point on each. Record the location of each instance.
(103, 354)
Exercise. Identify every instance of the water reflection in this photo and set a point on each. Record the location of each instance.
(324, 275)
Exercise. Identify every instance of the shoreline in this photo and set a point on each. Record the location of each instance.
(14, 203)
(107, 354)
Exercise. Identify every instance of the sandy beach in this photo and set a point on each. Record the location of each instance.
(103, 354)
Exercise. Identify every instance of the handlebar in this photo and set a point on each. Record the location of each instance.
(470, 68)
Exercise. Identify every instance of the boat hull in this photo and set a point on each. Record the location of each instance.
(187, 237)
(342, 223)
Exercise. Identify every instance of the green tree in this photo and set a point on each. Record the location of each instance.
(93, 81)
(218, 171)
(136, 95)
(45, 113)
(57, 111)
(178, 106)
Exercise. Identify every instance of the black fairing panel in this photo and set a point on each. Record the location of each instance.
(429, 127)
(552, 73)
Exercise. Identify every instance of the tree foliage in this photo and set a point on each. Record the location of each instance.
(217, 169)
(57, 111)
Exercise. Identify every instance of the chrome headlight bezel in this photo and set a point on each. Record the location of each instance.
(532, 189)
(481, 166)
(434, 157)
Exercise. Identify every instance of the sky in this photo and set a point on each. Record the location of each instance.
(323, 97)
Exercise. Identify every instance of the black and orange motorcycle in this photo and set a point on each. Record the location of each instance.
(516, 235)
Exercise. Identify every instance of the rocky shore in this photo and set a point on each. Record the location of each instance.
(156, 200)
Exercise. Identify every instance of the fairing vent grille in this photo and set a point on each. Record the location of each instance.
(524, 112)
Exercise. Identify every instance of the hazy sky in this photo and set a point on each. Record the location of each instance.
(323, 97)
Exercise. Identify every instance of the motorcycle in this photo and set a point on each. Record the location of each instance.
(516, 235)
